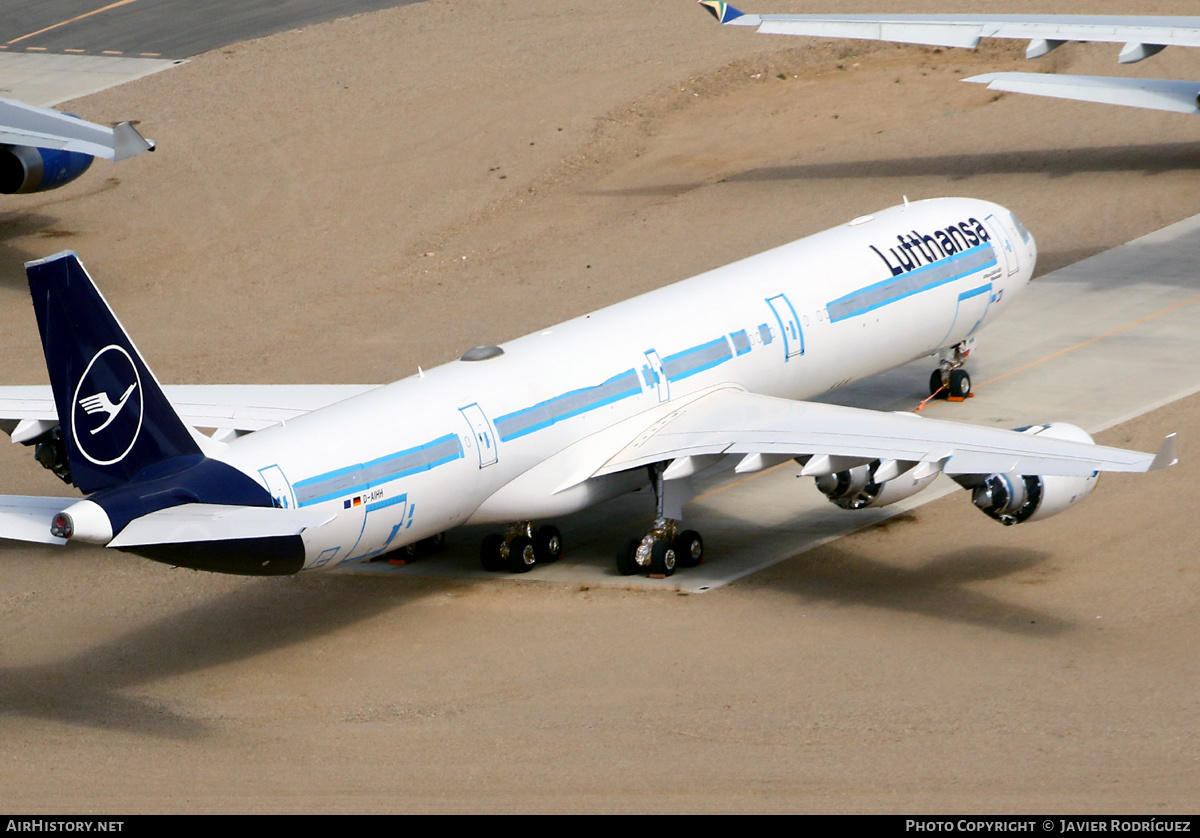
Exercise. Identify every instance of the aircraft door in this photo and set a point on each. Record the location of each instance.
(655, 377)
(279, 487)
(789, 325)
(1002, 241)
(382, 522)
(482, 433)
(973, 305)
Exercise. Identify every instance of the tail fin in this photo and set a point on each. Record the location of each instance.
(114, 417)
(723, 12)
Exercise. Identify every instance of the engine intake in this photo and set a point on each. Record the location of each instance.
(1016, 499)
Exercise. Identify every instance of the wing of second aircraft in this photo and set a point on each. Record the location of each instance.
(1141, 36)
(29, 125)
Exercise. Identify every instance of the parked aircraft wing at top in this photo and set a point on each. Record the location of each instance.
(42, 149)
(1141, 36)
(1152, 94)
(29, 125)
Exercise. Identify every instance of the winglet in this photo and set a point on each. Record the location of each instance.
(127, 142)
(1165, 457)
(723, 12)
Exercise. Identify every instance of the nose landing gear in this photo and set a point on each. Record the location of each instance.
(950, 377)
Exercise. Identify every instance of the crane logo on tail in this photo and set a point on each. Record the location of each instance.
(112, 427)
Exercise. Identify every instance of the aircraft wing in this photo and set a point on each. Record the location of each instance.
(967, 30)
(29, 125)
(1154, 94)
(26, 412)
(1141, 35)
(833, 438)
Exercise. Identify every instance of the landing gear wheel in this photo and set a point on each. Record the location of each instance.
(491, 552)
(424, 547)
(960, 384)
(935, 382)
(547, 544)
(521, 555)
(627, 558)
(689, 549)
(663, 558)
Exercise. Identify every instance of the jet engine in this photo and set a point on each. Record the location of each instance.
(856, 488)
(27, 169)
(1016, 499)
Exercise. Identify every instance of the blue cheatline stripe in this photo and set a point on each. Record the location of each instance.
(975, 292)
(697, 359)
(362, 476)
(545, 414)
(741, 342)
(914, 282)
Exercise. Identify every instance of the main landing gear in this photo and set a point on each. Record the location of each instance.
(664, 548)
(661, 551)
(520, 547)
(417, 550)
(950, 377)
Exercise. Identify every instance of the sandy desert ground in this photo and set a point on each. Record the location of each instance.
(347, 201)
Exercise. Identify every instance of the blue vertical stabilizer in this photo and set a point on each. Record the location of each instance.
(115, 419)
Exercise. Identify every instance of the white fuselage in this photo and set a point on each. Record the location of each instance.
(505, 438)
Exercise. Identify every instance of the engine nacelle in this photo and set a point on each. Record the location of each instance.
(26, 169)
(1016, 499)
(856, 488)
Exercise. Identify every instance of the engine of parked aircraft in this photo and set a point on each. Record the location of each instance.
(1016, 499)
(857, 488)
(26, 169)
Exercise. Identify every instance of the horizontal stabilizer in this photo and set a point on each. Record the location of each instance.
(27, 518)
(1154, 94)
(202, 522)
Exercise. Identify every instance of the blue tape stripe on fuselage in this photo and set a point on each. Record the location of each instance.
(687, 363)
(975, 292)
(925, 278)
(362, 476)
(544, 414)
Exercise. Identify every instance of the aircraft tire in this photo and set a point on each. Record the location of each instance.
(689, 549)
(424, 547)
(663, 558)
(935, 382)
(521, 555)
(547, 544)
(960, 384)
(626, 563)
(490, 555)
